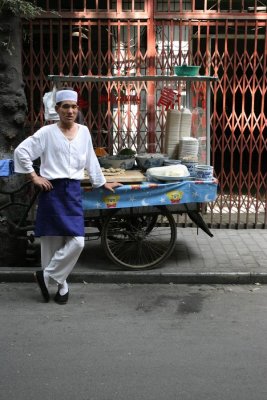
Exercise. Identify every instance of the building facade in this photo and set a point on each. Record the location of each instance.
(225, 38)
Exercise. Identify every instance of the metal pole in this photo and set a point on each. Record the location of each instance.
(208, 123)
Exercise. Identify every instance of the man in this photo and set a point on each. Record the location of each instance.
(65, 150)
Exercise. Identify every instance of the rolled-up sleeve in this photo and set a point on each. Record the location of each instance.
(26, 152)
(93, 168)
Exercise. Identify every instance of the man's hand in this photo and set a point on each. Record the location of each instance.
(111, 185)
(42, 183)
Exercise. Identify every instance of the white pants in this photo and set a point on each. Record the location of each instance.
(59, 255)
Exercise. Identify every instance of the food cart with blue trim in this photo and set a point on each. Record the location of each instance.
(135, 223)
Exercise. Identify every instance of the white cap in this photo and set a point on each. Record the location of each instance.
(63, 95)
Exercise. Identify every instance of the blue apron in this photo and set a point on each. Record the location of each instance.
(60, 211)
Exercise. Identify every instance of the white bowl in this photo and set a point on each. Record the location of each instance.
(124, 162)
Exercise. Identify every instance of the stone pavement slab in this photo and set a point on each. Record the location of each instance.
(231, 256)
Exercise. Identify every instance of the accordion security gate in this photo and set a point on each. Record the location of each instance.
(152, 42)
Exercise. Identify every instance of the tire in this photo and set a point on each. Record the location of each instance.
(139, 240)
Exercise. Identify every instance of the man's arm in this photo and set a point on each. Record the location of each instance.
(42, 183)
(112, 185)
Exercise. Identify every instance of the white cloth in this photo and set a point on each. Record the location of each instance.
(63, 289)
(59, 255)
(64, 95)
(60, 157)
(49, 101)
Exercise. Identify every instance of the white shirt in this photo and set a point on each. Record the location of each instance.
(60, 157)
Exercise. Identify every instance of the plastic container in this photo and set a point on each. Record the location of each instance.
(186, 70)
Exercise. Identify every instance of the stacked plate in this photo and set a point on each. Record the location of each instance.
(188, 149)
(172, 133)
(186, 123)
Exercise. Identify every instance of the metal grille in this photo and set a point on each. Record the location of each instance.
(242, 6)
(120, 115)
(115, 113)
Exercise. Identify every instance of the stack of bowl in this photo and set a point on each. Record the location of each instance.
(186, 123)
(191, 166)
(188, 148)
(172, 132)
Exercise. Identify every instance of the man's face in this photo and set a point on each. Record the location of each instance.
(67, 111)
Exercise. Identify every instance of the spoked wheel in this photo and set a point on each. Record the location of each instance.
(139, 241)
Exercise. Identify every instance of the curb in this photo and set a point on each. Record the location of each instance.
(139, 277)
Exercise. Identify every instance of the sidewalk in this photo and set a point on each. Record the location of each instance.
(231, 256)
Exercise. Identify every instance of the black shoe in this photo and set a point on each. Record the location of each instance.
(61, 299)
(39, 277)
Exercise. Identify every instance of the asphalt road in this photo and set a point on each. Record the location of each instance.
(134, 342)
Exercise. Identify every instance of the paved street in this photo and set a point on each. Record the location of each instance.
(231, 256)
(136, 342)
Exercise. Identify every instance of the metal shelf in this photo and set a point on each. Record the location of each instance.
(133, 78)
(150, 78)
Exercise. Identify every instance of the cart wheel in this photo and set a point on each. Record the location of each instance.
(139, 241)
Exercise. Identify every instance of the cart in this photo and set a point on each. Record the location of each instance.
(135, 224)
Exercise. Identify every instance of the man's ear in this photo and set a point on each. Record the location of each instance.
(56, 107)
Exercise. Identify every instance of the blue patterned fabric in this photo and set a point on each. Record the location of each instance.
(150, 194)
(6, 167)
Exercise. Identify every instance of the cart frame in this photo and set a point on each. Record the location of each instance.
(133, 237)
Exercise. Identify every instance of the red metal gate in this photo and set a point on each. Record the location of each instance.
(146, 37)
